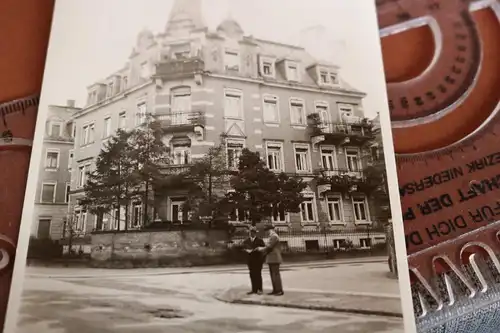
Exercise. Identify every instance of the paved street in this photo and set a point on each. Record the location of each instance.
(182, 300)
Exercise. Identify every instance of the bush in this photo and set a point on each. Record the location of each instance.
(44, 249)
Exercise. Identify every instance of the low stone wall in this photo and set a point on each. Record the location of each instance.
(159, 248)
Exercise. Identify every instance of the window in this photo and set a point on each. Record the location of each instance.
(67, 192)
(334, 206)
(124, 82)
(328, 158)
(339, 243)
(327, 77)
(99, 221)
(73, 130)
(365, 242)
(322, 111)
(122, 120)
(181, 105)
(71, 155)
(333, 78)
(275, 156)
(267, 68)
(375, 153)
(181, 155)
(116, 217)
(297, 112)
(232, 60)
(106, 127)
(345, 110)
(278, 215)
(307, 210)
(110, 90)
(43, 231)
(293, 72)
(48, 193)
(271, 111)
(302, 158)
(88, 134)
(239, 215)
(141, 113)
(55, 128)
(352, 159)
(137, 215)
(52, 159)
(324, 78)
(177, 211)
(80, 222)
(233, 152)
(83, 171)
(360, 209)
(312, 245)
(232, 104)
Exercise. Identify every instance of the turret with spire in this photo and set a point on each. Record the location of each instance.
(186, 15)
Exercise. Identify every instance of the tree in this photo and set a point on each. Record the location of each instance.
(260, 192)
(207, 181)
(111, 184)
(125, 171)
(149, 155)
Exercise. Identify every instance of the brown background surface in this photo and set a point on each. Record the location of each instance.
(24, 33)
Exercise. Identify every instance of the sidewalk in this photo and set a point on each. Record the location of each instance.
(367, 304)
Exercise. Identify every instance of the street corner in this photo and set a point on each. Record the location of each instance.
(351, 303)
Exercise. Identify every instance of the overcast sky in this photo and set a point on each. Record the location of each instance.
(93, 38)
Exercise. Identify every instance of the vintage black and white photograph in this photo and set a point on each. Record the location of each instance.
(211, 166)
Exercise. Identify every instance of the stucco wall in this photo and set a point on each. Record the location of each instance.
(159, 248)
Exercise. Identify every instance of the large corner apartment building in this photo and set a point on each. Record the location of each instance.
(206, 85)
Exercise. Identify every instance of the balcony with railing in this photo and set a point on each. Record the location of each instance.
(355, 131)
(345, 180)
(179, 68)
(181, 121)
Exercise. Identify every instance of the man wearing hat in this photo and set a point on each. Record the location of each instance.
(255, 259)
(273, 259)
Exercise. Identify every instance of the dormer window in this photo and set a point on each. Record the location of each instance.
(328, 77)
(324, 77)
(110, 90)
(92, 97)
(292, 71)
(232, 60)
(333, 78)
(267, 67)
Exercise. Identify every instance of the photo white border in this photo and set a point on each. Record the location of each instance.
(18, 273)
(410, 325)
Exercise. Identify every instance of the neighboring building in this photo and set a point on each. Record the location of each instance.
(257, 94)
(52, 194)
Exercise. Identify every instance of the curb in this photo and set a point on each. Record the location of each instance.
(325, 308)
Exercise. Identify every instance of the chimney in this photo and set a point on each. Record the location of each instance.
(70, 103)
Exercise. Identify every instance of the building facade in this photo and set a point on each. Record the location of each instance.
(53, 190)
(208, 87)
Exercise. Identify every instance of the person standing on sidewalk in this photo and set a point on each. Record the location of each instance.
(255, 260)
(273, 259)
